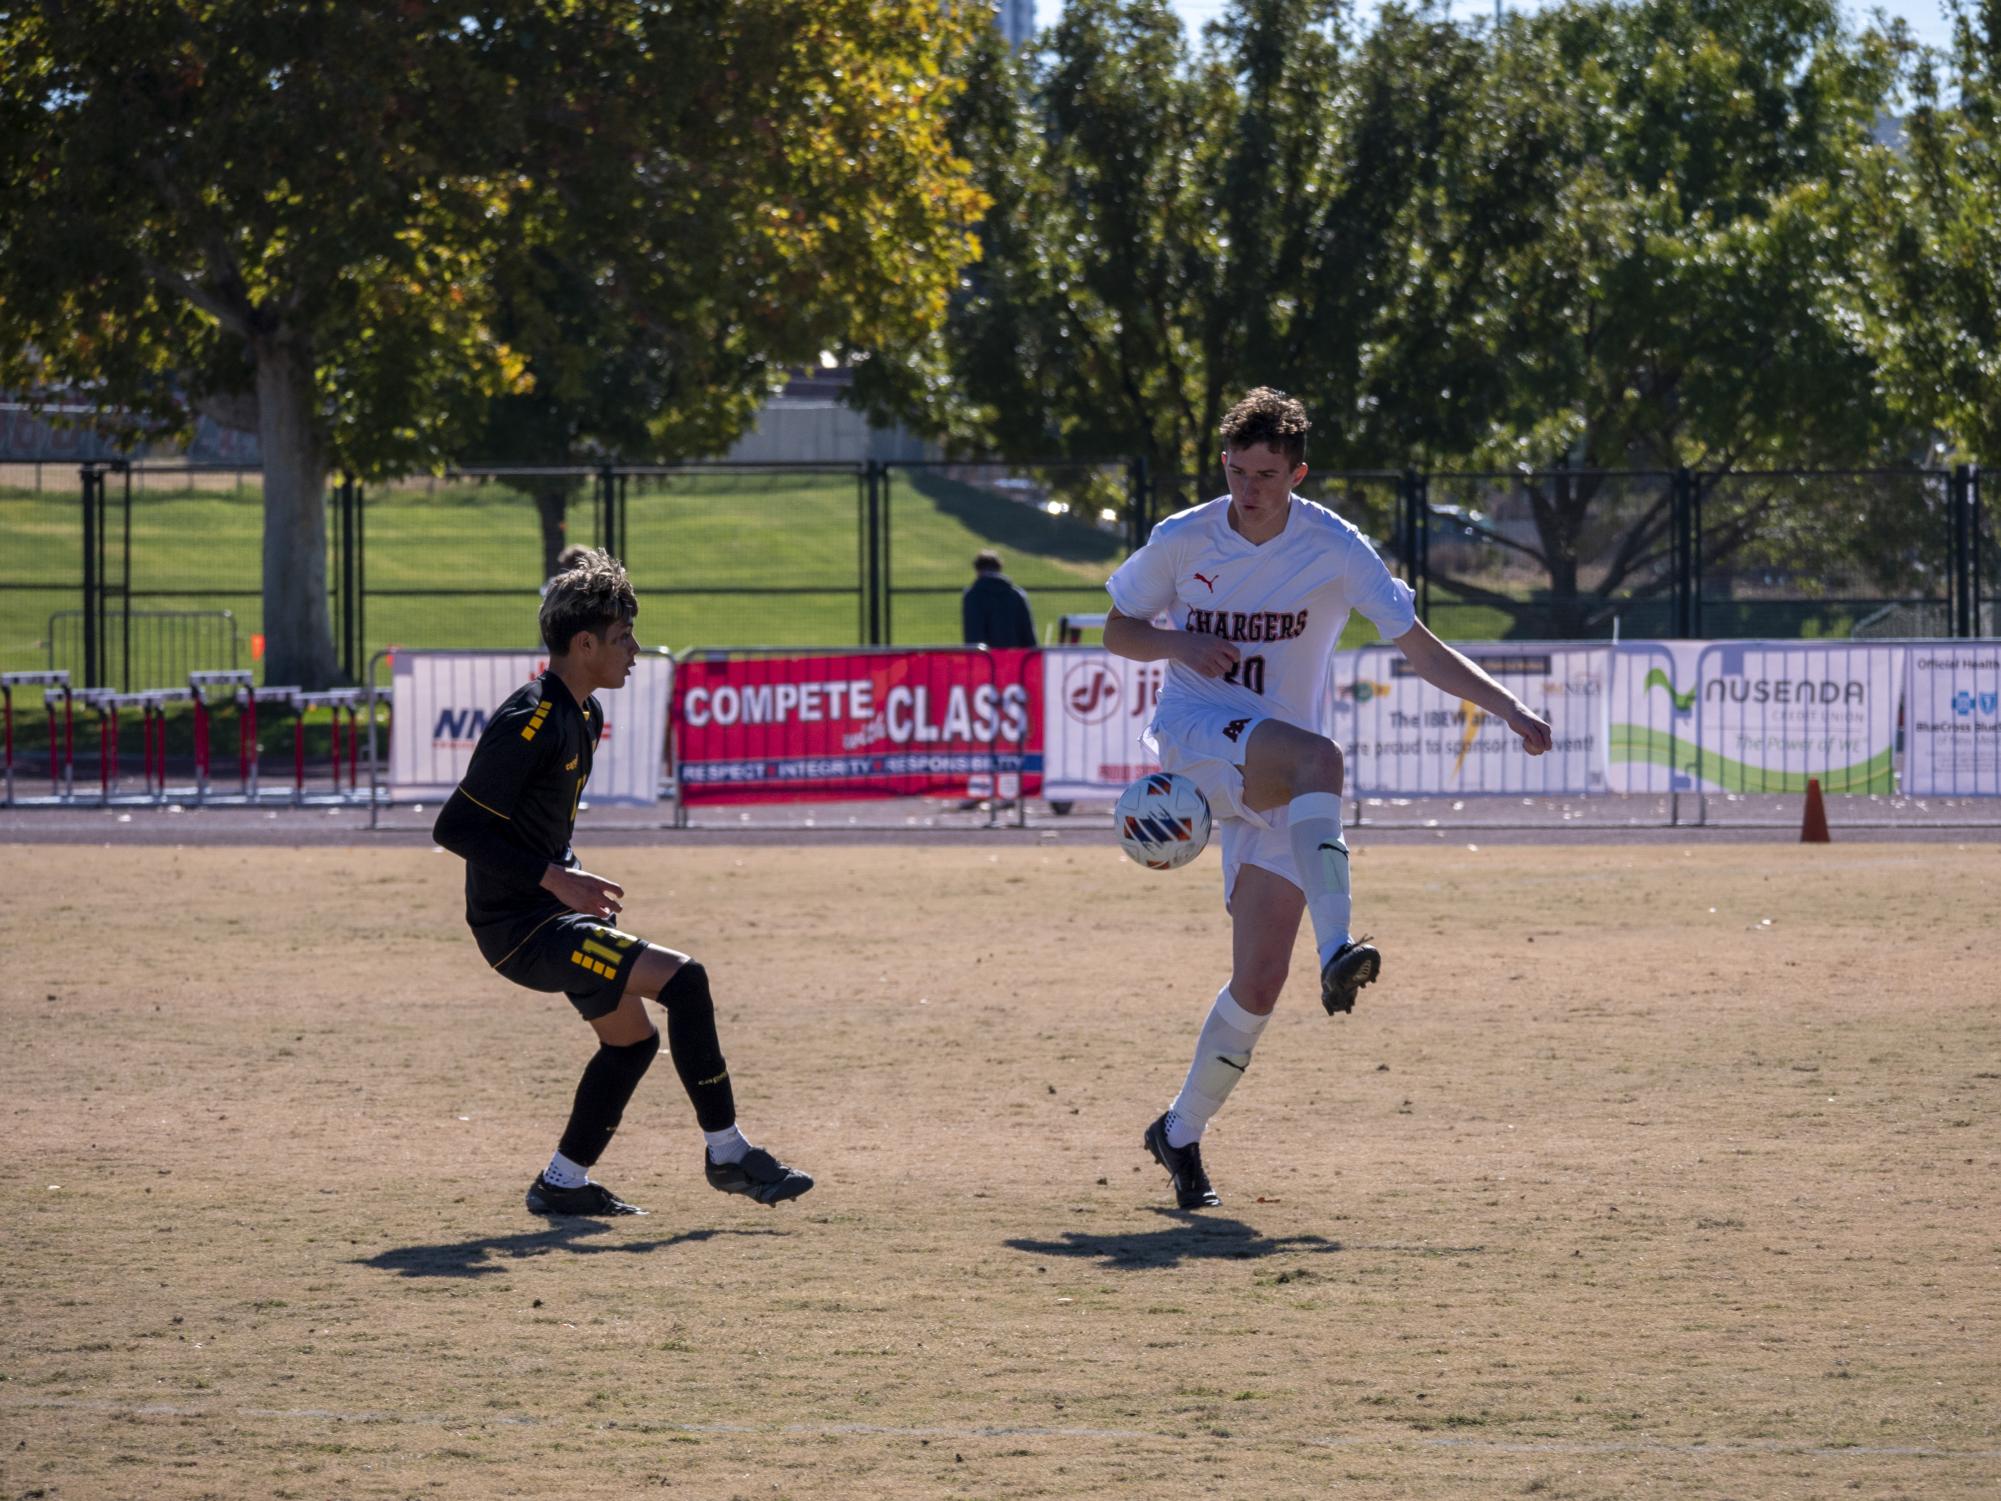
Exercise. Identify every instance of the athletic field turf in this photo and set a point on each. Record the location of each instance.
(1643, 1172)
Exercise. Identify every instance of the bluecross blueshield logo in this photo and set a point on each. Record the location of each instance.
(1965, 703)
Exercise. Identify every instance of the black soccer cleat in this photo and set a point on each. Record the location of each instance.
(759, 1175)
(1184, 1166)
(1354, 965)
(545, 1197)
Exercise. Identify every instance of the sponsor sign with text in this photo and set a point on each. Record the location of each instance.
(788, 728)
(1952, 742)
(440, 701)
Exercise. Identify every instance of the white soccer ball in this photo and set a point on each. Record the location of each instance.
(1162, 821)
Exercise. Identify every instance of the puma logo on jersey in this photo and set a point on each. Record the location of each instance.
(1207, 582)
(1233, 729)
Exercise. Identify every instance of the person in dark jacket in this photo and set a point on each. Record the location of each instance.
(993, 610)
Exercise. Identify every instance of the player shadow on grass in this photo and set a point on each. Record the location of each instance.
(485, 1255)
(1192, 1237)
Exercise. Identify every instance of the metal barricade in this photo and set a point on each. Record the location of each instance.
(56, 689)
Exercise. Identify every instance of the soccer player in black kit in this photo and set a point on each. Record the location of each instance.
(545, 922)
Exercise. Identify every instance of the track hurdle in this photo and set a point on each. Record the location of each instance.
(56, 687)
(105, 703)
(338, 701)
(200, 685)
(152, 705)
(248, 698)
(300, 702)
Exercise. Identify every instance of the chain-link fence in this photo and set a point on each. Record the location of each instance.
(1802, 555)
(873, 553)
(1058, 528)
(41, 558)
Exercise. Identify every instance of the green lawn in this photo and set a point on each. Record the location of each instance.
(720, 559)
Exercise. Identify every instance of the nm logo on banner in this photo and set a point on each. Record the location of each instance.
(459, 726)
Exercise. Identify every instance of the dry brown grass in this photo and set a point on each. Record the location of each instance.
(1602, 1192)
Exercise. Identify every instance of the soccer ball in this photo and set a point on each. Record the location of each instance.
(1163, 821)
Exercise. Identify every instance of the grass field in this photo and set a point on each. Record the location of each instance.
(460, 565)
(1642, 1173)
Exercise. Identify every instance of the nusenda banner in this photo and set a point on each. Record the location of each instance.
(808, 726)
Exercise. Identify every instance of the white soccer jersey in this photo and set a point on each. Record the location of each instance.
(1283, 603)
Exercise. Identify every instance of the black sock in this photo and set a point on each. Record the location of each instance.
(698, 1056)
(608, 1082)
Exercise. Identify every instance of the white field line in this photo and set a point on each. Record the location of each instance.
(1797, 1447)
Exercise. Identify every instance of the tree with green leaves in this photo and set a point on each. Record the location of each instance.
(1608, 236)
(350, 214)
(1940, 325)
(1691, 291)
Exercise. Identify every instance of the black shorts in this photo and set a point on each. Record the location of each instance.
(579, 956)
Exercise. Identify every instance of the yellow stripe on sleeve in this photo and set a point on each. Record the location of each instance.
(478, 804)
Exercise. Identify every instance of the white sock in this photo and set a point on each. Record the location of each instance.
(564, 1173)
(1222, 1053)
(1321, 854)
(726, 1145)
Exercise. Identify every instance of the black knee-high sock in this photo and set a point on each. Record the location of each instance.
(608, 1082)
(698, 1056)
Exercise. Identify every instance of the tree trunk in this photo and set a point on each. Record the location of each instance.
(298, 632)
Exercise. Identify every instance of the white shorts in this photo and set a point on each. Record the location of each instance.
(1205, 742)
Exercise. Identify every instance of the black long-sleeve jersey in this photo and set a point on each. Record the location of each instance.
(513, 814)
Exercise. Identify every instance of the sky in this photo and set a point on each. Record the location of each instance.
(1926, 18)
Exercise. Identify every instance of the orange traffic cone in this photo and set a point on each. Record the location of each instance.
(1813, 828)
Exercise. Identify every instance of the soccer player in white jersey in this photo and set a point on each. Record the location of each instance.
(1258, 585)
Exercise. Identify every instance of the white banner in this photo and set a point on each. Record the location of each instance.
(1650, 714)
(1952, 718)
(439, 702)
(1094, 706)
(1405, 738)
(1755, 716)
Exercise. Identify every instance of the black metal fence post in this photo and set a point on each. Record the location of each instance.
(1977, 566)
(1681, 524)
(1408, 488)
(888, 567)
(618, 549)
(1959, 550)
(872, 573)
(125, 590)
(92, 584)
(1695, 499)
(1139, 503)
(1416, 546)
(347, 574)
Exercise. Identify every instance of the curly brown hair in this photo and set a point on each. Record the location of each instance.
(593, 595)
(1269, 417)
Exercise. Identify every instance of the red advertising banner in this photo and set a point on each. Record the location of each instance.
(894, 723)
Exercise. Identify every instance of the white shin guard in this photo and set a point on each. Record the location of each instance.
(1321, 855)
(1222, 1054)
